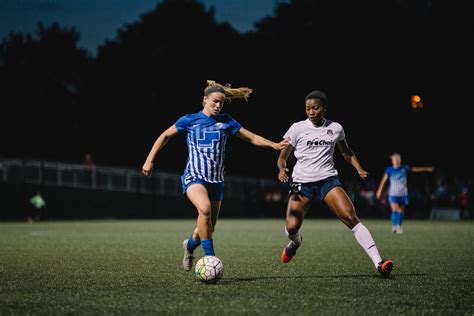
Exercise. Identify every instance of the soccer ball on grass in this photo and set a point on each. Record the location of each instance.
(209, 269)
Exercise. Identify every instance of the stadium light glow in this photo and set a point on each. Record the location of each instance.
(416, 103)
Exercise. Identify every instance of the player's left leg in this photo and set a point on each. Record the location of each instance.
(341, 205)
(397, 211)
(194, 240)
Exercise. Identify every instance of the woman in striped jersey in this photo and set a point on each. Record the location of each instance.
(207, 132)
(396, 175)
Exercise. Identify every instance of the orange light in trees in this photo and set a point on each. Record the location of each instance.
(416, 103)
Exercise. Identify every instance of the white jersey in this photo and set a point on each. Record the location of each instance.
(314, 149)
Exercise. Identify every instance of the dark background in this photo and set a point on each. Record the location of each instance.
(58, 101)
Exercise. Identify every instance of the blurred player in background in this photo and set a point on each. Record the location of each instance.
(314, 177)
(37, 203)
(396, 175)
(206, 132)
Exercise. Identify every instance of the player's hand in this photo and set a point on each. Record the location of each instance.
(363, 174)
(283, 175)
(147, 168)
(281, 145)
(378, 195)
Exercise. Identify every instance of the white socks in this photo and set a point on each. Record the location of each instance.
(295, 238)
(365, 240)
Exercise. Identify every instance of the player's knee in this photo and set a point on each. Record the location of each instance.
(291, 229)
(295, 214)
(204, 210)
(293, 222)
(350, 219)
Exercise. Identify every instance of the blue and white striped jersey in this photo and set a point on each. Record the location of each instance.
(206, 140)
(397, 180)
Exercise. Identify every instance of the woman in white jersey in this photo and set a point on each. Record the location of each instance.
(207, 132)
(314, 177)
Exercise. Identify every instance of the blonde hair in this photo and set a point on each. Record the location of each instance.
(230, 93)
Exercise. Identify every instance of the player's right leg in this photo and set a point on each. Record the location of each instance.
(189, 245)
(198, 195)
(297, 205)
(397, 213)
(403, 204)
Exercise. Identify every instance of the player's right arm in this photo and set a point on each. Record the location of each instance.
(157, 146)
(281, 163)
(384, 179)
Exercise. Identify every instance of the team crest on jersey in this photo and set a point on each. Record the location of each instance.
(330, 133)
(208, 139)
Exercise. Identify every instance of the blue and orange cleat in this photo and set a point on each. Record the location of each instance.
(385, 267)
(289, 251)
(284, 257)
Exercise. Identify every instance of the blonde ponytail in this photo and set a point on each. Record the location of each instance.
(230, 93)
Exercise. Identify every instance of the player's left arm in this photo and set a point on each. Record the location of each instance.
(421, 169)
(258, 140)
(351, 158)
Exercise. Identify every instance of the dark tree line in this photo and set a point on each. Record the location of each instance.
(58, 102)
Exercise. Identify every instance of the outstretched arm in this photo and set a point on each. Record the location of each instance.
(258, 140)
(281, 163)
(157, 146)
(384, 179)
(351, 158)
(422, 169)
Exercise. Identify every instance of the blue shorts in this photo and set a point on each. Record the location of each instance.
(315, 190)
(402, 200)
(215, 191)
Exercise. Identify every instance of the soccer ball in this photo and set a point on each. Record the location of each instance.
(209, 269)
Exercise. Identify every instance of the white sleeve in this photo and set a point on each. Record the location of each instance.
(342, 135)
(291, 135)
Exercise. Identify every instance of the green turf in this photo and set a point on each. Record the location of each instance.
(134, 267)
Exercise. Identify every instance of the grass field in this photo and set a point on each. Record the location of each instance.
(134, 267)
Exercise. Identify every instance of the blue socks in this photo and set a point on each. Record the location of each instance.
(208, 247)
(193, 244)
(396, 218)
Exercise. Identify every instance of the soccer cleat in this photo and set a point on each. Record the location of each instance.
(289, 251)
(399, 230)
(188, 257)
(385, 267)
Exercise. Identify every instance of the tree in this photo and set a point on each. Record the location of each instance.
(156, 69)
(42, 78)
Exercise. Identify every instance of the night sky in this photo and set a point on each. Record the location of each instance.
(99, 20)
